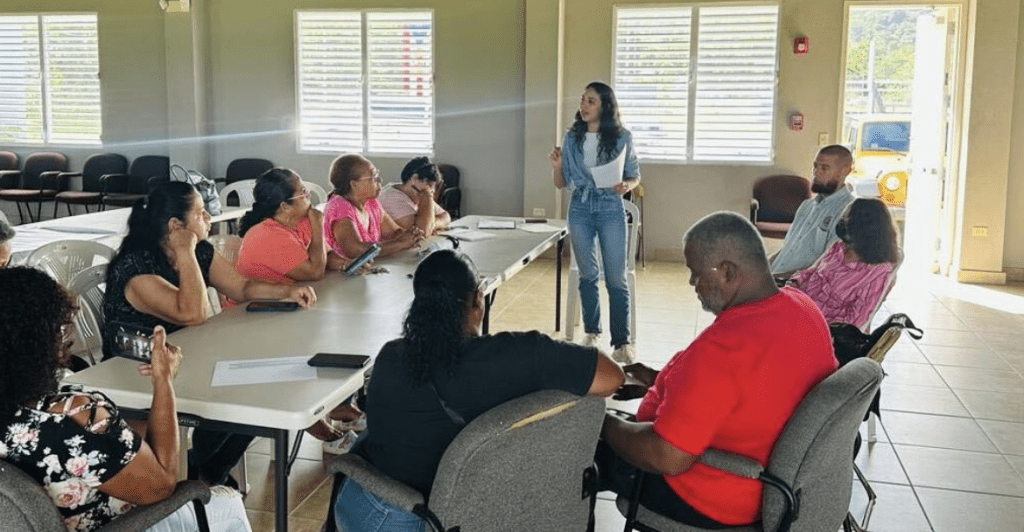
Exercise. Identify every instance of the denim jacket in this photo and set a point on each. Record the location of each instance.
(581, 183)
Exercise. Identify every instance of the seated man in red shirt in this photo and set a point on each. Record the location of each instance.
(732, 389)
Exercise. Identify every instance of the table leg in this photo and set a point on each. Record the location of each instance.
(281, 480)
(558, 284)
(488, 301)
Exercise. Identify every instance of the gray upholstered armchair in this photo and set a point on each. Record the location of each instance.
(518, 466)
(809, 476)
(25, 506)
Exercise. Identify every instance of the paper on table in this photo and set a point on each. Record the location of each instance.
(609, 175)
(469, 235)
(539, 228)
(497, 224)
(261, 371)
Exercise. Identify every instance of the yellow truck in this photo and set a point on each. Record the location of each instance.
(880, 145)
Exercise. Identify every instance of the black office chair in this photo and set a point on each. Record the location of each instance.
(774, 202)
(122, 190)
(96, 166)
(36, 182)
(449, 194)
(241, 169)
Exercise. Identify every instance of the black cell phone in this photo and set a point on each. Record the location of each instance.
(337, 360)
(368, 255)
(271, 306)
(132, 341)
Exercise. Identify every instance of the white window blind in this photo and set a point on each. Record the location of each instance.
(652, 69)
(49, 79)
(697, 83)
(400, 68)
(365, 81)
(329, 53)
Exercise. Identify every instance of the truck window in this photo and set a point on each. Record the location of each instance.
(893, 136)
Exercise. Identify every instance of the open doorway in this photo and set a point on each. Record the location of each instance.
(900, 119)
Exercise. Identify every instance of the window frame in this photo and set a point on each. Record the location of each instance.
(44, 82)
(365, 82)
(692, 81)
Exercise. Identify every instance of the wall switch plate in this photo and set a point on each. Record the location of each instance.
(822, 139)
(979, 230)
(538, 211)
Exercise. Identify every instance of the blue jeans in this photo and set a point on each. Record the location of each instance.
(591, 224)
(357, 510)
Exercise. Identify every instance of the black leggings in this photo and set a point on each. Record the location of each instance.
(214, 454)
(656, 495)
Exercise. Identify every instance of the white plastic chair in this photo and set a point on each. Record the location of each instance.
(572, 306)
(64, 259)
(244, 190)
(87, 288)
(317, 194)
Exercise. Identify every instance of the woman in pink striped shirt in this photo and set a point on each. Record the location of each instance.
(850, 280)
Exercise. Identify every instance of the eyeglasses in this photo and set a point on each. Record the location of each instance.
(305, 194)
(374, 177)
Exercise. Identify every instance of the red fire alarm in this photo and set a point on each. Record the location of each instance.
(801, 45)
(796, 122)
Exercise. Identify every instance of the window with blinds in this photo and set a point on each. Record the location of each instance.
(49, 79)
(365, 81)
(697, 83)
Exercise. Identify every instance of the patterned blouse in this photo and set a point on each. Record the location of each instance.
(143, 262)
(71, 461)
(847, 292)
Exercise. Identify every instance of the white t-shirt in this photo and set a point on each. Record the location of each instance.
(590, 149)
(398, 205)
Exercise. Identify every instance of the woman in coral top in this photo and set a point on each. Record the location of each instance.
(354, 219)
(849, 281)
(283, 238)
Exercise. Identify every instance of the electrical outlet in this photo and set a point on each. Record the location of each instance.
(979, 230)
(539, 212)
(822, 139)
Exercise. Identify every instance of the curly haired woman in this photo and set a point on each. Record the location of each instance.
(441, 374)
(92, 462)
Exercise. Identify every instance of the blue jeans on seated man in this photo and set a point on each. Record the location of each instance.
(357, 510)
(591, 221)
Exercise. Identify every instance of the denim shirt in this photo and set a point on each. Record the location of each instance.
(581, 183)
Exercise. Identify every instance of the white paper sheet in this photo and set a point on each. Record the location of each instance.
(609, 175)
(261, 371)
(539, 228)
(469, 235)
(497, 224)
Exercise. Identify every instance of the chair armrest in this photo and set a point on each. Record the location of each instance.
(10, 178)
(114, 182)
(754, 206)
(732, 463)
(52, 177)
(220, 180)
(143, 517)
(376, 482)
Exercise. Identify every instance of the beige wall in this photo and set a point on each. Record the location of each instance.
(495, 96)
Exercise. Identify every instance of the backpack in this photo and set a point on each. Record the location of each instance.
(206, 187)
(850, 343)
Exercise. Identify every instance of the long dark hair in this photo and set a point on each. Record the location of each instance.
(435, 328)
(34, 311)
(870, 231)
(147, 223)
(272, 188)
(611, 123)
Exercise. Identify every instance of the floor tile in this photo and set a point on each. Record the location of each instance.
(607, 517)
(929, 430)
(961, 356)
(1008, 437)
(990, 380)
(955, 511)
(915, 374)
(959, 470)
(950, 338)
(896, 508)
(921, 399)
(993, 405)
(306, 475)
(879, 463)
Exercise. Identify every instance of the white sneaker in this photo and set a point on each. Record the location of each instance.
(591, 340)
(342, 444)
(624, 354)
(358, 424)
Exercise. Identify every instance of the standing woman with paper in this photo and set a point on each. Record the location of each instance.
(598, 164)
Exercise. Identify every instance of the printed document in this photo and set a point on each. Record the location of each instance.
(609, 175)
(261, 371)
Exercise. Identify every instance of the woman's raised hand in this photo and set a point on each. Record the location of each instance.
(165, 358)
(316, 218)
(556, 158)
(304, 295)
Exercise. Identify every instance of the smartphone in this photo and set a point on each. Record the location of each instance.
(368, 255)
(335, 360)
(271, 306)
(132, 341)
(536, 221)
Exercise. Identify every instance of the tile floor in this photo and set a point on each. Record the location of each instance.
(950, 449)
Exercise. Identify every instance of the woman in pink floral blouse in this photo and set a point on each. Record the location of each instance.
(94, 464)
(849, 281)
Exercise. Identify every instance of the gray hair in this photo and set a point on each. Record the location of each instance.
(725, 235)
(6, 231)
